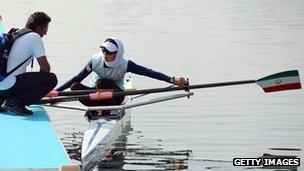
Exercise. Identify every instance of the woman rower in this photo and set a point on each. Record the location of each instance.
(110, 67)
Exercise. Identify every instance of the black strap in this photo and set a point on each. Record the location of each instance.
(22, 32)
(32, 64)
(18, 34)
(18, 66)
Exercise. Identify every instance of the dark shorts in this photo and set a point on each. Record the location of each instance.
(30, 87)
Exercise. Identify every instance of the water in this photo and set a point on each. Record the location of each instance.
(206, 41)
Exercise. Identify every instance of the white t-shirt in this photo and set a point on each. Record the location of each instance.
(27, 45)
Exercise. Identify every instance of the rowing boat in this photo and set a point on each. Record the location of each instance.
(99, 139)
(102, 133)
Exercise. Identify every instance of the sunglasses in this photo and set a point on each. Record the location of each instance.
(104, 50)
(44, 29)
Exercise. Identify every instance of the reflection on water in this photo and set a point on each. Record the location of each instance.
(133, 152)
(72, 142)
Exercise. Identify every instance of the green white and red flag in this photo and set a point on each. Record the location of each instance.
(287, 80)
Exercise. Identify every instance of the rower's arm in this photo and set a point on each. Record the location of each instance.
(77, 78)
(44, 64)
(140, 70)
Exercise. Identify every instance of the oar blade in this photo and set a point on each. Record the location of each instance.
(287, 80)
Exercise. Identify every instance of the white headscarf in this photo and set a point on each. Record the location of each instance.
(119, 55)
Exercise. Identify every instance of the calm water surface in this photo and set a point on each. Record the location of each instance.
(206, 41)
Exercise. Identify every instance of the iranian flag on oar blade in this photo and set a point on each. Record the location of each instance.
(287, 80)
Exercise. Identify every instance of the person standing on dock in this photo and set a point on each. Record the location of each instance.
(110, 67)
(21, 88)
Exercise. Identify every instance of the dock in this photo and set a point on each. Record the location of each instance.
(30, 142)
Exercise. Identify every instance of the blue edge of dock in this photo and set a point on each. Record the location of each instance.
(30, 142)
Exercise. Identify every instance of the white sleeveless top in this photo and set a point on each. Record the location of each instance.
(116, 74)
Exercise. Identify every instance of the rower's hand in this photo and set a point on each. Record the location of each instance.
(180, 81)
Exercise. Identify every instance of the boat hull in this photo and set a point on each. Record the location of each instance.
(99, 138)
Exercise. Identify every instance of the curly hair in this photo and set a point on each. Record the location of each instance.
(37, 19)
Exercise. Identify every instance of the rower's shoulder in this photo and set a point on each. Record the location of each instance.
(97, 59)
(130, 62)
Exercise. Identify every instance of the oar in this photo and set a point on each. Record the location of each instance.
(92, 96)
(108, 95)
(122, 106)
(141, 95)
(55, 93)
(287, 80)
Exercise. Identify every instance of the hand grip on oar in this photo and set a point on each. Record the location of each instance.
(187, 87)
(91, 96)
(101, 95)
(52, 93)
(55, 93)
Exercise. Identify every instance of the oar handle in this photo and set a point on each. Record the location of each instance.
(92, 96)
(101, 95)
(52, 93)
(55, 93)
